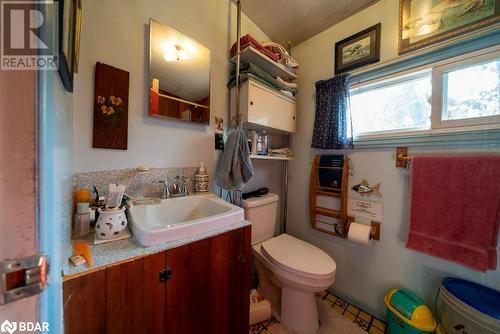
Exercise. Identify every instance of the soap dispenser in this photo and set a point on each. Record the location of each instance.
(201, 180)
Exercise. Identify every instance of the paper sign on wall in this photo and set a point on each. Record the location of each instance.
(364, 209)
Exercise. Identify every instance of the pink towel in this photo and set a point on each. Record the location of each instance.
(455, 209)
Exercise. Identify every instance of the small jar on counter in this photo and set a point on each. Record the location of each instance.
(81, 226)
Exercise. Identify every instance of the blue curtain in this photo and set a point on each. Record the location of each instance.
(332, 121)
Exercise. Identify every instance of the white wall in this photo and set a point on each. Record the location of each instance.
(116, 32)
(365, 274)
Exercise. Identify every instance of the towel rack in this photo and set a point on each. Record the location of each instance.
(402, 158)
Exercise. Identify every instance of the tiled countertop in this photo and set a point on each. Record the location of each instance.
(116, 251)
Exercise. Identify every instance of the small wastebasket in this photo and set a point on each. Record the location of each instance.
(407, 313)
(468, 307)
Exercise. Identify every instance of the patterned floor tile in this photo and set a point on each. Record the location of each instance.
(322, 294)
(362, 323)
(365, 316)
(375, 330)
(339, 309)
(341, 303)
(379, 324)
(331, 298)
(361, 318)
(350, 316)
(354, 310)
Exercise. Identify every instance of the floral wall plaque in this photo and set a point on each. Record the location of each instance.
(110, 107)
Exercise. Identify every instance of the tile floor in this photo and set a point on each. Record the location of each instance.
(362, 319)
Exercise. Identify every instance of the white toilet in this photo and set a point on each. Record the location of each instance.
(290, 270)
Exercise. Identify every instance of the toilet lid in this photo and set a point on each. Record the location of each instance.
(298, 256)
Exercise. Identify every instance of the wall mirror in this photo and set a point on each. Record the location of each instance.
(179, 74)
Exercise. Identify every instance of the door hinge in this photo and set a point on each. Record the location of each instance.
(23, 277)
(165, 274)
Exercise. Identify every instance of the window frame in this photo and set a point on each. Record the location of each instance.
(438, 127)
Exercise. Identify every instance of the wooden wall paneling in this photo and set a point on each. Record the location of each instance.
(84, 300)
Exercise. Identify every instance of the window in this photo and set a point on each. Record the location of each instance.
(459, 94)
(402, 103)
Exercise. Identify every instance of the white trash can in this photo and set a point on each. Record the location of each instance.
(467, 307)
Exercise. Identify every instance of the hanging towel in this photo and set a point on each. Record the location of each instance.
(235, 166)
(455, 209)
(332, 122)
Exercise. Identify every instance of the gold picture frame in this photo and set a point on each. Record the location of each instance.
(426, 22)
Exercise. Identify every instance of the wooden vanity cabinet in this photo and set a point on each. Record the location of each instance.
(202, 287)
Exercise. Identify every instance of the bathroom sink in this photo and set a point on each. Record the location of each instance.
(181, 217)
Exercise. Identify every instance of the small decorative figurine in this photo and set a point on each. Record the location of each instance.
(364, 189)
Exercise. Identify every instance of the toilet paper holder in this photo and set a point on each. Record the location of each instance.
(375, 233)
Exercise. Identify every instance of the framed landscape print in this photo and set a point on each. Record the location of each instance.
(358, 50)
(425, 22)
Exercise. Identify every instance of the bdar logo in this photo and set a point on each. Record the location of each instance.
(8, 327)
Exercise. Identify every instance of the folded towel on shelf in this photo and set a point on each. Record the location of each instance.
(280, 152)
(286, 83)
(287, 93)
(455, 209)
(247, 41)
(256, 71)
(284, 56)
(235, 166)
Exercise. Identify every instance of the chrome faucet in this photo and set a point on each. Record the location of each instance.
(165, 192)
(179, 187)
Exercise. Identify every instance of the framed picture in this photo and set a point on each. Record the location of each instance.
(110, 107)
(426, 22)
(78, 31)
(358, 50)
(66, 56)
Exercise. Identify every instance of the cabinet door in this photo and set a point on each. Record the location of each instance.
(220, 296)
(84, 300)
(239, 280)
(270, 109)
(136, 296)
(210, 285)
(188, 303)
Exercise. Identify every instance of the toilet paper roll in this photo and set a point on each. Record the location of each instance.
(359, 233)
(260, 312)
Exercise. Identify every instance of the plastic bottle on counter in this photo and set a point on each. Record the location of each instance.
(201, 180)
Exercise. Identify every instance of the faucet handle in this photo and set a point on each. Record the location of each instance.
(183, 186)
(185, 179)
(165, 192)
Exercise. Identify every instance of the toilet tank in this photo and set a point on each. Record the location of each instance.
(261, 212)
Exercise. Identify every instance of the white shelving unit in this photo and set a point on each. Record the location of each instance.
(252, 55)
(269, 157)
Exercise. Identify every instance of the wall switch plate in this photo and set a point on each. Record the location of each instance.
(219, 141)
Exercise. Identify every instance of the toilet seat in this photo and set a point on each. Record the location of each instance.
(299, 257)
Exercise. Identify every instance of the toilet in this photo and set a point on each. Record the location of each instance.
(290, 271)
